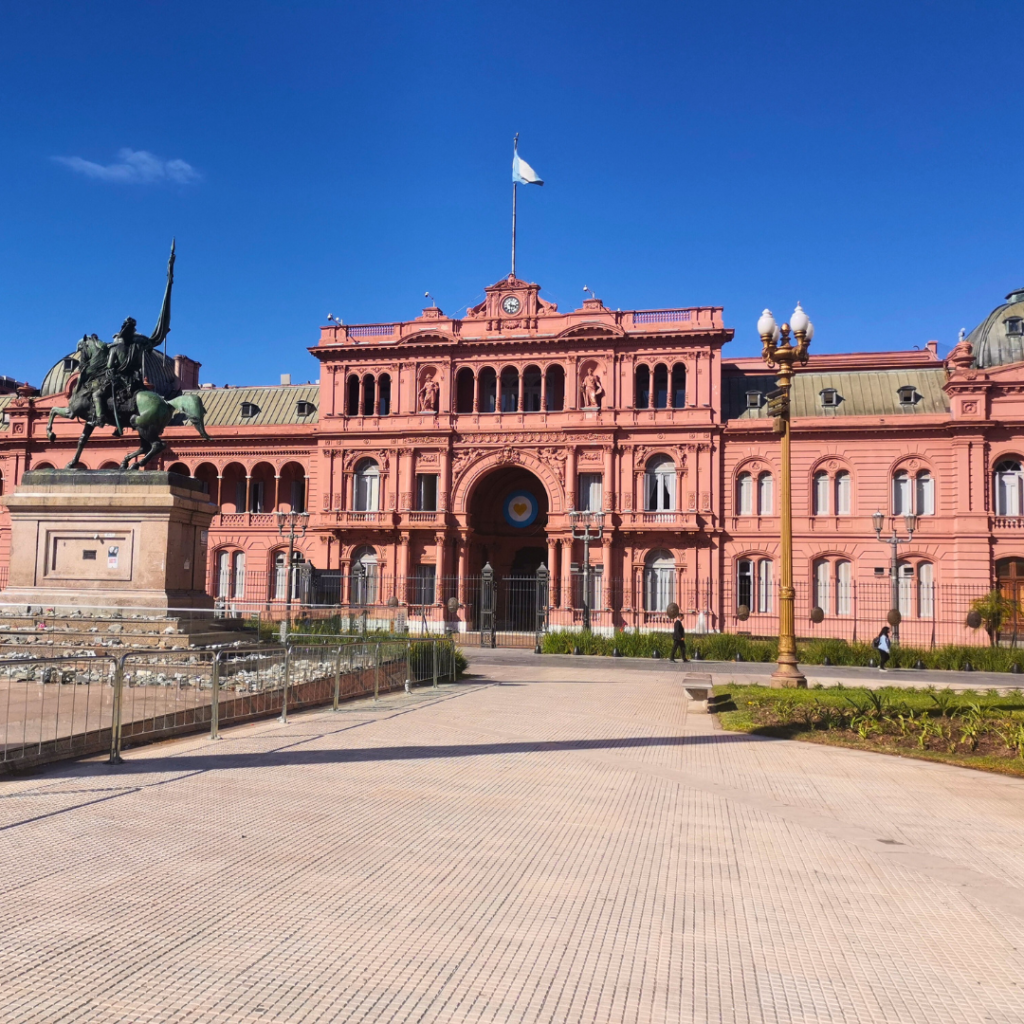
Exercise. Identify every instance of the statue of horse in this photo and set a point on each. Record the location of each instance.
(154, 413)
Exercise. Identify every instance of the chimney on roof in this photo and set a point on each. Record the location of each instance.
(933, 349)
(187, 372)
(286, 378)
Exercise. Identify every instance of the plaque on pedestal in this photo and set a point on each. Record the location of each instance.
(108, 538)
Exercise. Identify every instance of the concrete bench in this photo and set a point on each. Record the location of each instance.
(698, 690)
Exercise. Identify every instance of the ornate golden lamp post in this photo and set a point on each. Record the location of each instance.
(778, 351)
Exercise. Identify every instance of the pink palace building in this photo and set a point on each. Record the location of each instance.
(433, 448)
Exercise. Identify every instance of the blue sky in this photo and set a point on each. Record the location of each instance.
(346, 157)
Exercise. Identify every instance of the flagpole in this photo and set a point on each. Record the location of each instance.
(513, 229)
(515, 147)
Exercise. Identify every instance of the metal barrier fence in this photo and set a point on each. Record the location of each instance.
(75, 706)
(56, 707)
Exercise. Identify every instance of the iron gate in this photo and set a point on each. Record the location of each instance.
(513, 609)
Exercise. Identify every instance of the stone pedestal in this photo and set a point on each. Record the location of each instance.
(109, 539)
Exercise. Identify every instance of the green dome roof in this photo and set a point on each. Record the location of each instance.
(159, 371)
(999, 339)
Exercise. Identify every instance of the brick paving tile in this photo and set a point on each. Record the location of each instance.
(548, 842)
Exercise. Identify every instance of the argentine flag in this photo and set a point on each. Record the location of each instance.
(523, 173)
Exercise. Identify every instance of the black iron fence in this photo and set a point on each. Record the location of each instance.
(513, 610)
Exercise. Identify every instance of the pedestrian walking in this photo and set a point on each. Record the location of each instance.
(881, 643)
(678, 639)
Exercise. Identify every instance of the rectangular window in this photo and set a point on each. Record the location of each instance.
(745, 585)
(764, 586)
(426, 492)
(594, 590)
(298, 495)
(821, 585)
(821, 494)
(844, 588)
(255, 495)
(423, 584)
(842, 493)
(745, 495)
(590, 494)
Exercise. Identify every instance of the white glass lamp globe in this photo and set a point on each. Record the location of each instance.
(799, 320)
(766, 324)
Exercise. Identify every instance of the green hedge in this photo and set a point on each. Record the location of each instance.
(725, 647)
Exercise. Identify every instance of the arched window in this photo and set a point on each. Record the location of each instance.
(1008, 488)
(822, 585)
(659, 580)
(509, 389)
(843, 493)
(925, 590)
(384, 395)
(364, 575)
(924, 494)
(821, 489)
(367, 486)
(464, 384)
(369, 392)
(179, 467)
(901, 497)
(556, 388)
(352, 396)
(660, 386)
(660, 484)
(643, 387)
(745, 494)
(531, 389)
(488, 384)
(678, 386)
(844, 588)
(765, 495)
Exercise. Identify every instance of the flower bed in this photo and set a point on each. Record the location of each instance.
(971, 729)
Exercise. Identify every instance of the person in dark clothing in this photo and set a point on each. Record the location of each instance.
(678, 640)
(882, 645)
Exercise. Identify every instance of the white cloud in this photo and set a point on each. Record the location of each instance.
(134, 166)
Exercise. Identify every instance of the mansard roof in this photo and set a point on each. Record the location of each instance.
(275, 405)
(861, 393)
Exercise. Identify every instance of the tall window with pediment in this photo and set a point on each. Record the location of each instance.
(660, 484)
(367, 486)
(1008, 488)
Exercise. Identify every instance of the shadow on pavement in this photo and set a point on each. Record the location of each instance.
(293, 757)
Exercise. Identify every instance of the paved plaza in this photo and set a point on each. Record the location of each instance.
(552, 840)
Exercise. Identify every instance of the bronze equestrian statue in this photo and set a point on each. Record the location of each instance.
(112, 390)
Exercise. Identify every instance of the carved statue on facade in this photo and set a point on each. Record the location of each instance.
(429, 394)
(592, 390)
(112, 390)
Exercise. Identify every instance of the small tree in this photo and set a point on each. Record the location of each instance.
(993, 608)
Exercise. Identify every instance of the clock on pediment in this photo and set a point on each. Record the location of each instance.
(511, 305)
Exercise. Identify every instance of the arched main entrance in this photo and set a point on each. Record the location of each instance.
(508, 517)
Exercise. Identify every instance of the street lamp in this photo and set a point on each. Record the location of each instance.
(587, 527)
(298, 523)
(910, 521)
(777, 351)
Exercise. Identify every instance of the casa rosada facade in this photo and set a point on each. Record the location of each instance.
(433, 448)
